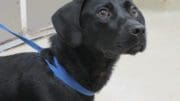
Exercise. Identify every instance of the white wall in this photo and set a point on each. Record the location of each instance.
(39, 14)
(9, 15)
(159, 5)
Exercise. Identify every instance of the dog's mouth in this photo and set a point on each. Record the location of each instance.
(129, 49)
(134, 50)
(137, 46)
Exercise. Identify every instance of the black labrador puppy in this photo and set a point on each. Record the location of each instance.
(91, 35)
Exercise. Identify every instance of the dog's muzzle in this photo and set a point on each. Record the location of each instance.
(138, 32)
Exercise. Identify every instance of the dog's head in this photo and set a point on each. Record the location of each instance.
(112, 27)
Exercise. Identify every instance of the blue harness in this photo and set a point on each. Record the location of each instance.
(56, 68)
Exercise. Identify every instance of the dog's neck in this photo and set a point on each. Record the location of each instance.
(90, 68)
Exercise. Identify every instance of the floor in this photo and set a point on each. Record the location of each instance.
(150, 76)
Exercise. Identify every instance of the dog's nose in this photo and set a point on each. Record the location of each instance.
(137, 30)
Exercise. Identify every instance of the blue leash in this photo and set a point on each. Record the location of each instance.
(29, 42)
(56, 68)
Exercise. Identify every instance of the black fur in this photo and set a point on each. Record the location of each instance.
(91, 35)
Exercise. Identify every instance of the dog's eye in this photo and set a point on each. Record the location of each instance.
(133, 11)
(104, 13)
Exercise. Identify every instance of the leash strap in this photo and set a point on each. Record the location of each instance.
(61, 73)
(29, 42)
(56, 68)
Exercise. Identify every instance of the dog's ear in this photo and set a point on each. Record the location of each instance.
(66, 22)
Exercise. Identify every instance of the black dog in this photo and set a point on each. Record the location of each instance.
(91, 35)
